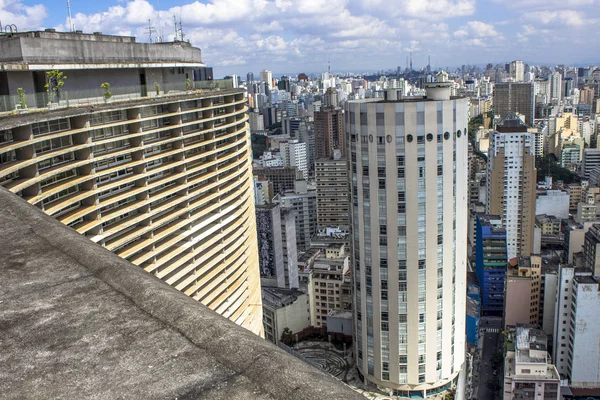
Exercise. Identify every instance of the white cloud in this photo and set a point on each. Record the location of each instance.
(273, 26)
(564, 17)
(546, 4)
(14, 12)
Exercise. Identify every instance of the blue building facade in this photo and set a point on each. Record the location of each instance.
(490, 264)
(473, 308)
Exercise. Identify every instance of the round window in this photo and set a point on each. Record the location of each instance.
(447, 135)
(389, 138)
(458, 134)
(409, 138)
(371, 138)
(429, 137)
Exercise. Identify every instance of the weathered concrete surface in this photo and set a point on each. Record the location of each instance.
(78, 322)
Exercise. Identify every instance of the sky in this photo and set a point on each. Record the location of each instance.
(293, 36)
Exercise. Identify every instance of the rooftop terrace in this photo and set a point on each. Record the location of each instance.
(77, 321)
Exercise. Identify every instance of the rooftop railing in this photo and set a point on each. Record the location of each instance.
(81, 97)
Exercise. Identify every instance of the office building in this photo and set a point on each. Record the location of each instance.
(528, 369)
(161, 179)
(577, 327)
(332, 193)
(266, 76)
(515, 98)
(490, 263)
(329, 276)
(284, 308)
(591, 249)
(589, 162)
(512, 184)
(556, 90)
(294, 154)
(329, 132)
(277, 253)
(517, 70)
(303, 202)
(523, 284)
(408, 178)
(282, 178)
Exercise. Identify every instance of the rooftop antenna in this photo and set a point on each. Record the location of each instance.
(181, 29)
(407, 62)
(328, 65)
(411, 61)
(71, 27)
(176, 30)
(160, 28)
(150, 29)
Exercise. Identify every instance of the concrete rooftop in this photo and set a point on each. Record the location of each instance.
(77, 321)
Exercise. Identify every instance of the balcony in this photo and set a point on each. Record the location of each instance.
(77, 321)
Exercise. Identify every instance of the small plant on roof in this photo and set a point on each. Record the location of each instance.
(188, 84)
(22, 98)
(157, 88)
(56, 80)
(107, 94)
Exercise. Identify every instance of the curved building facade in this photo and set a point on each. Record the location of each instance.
(164, 182)
(408, 177)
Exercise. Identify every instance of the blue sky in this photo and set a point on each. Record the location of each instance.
(291, 36)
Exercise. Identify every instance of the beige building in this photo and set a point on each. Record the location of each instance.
(332, 193)
(408, 176)
(329, 278)
(528, 370)
(284, 308)
(523, 298)
(164, 181)
(548, 224)
(511, 184)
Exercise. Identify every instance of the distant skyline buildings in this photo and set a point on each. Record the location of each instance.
(292, 36)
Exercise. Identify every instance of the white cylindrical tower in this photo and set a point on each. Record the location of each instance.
(408, 178)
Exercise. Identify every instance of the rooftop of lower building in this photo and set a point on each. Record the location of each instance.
(48, 49)
(78, 322)
(279, 297)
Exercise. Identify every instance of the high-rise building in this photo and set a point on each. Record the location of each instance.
(277, 254)
(282, 178)
(303, 201)
(590, 162)
(332, 192)
(293, 153)
(266, 76)
(329, 132)
(556, 86)
(511, 184)
(517, 70)
(490, 263)
(591, 249)
(408, 178)
(577, 327)
(161, 179)
(515, 97)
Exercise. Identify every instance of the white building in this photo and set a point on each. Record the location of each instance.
(266, 76)
(511, 184)
(408, 178)
(556, 86)
(577, 327)
(528, 371)
(517, 70)
(284, 308)
(553, 202)
(293, 153)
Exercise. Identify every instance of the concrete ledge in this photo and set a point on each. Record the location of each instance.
(77, 321)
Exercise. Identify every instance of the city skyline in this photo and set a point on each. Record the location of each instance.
(286, 36)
